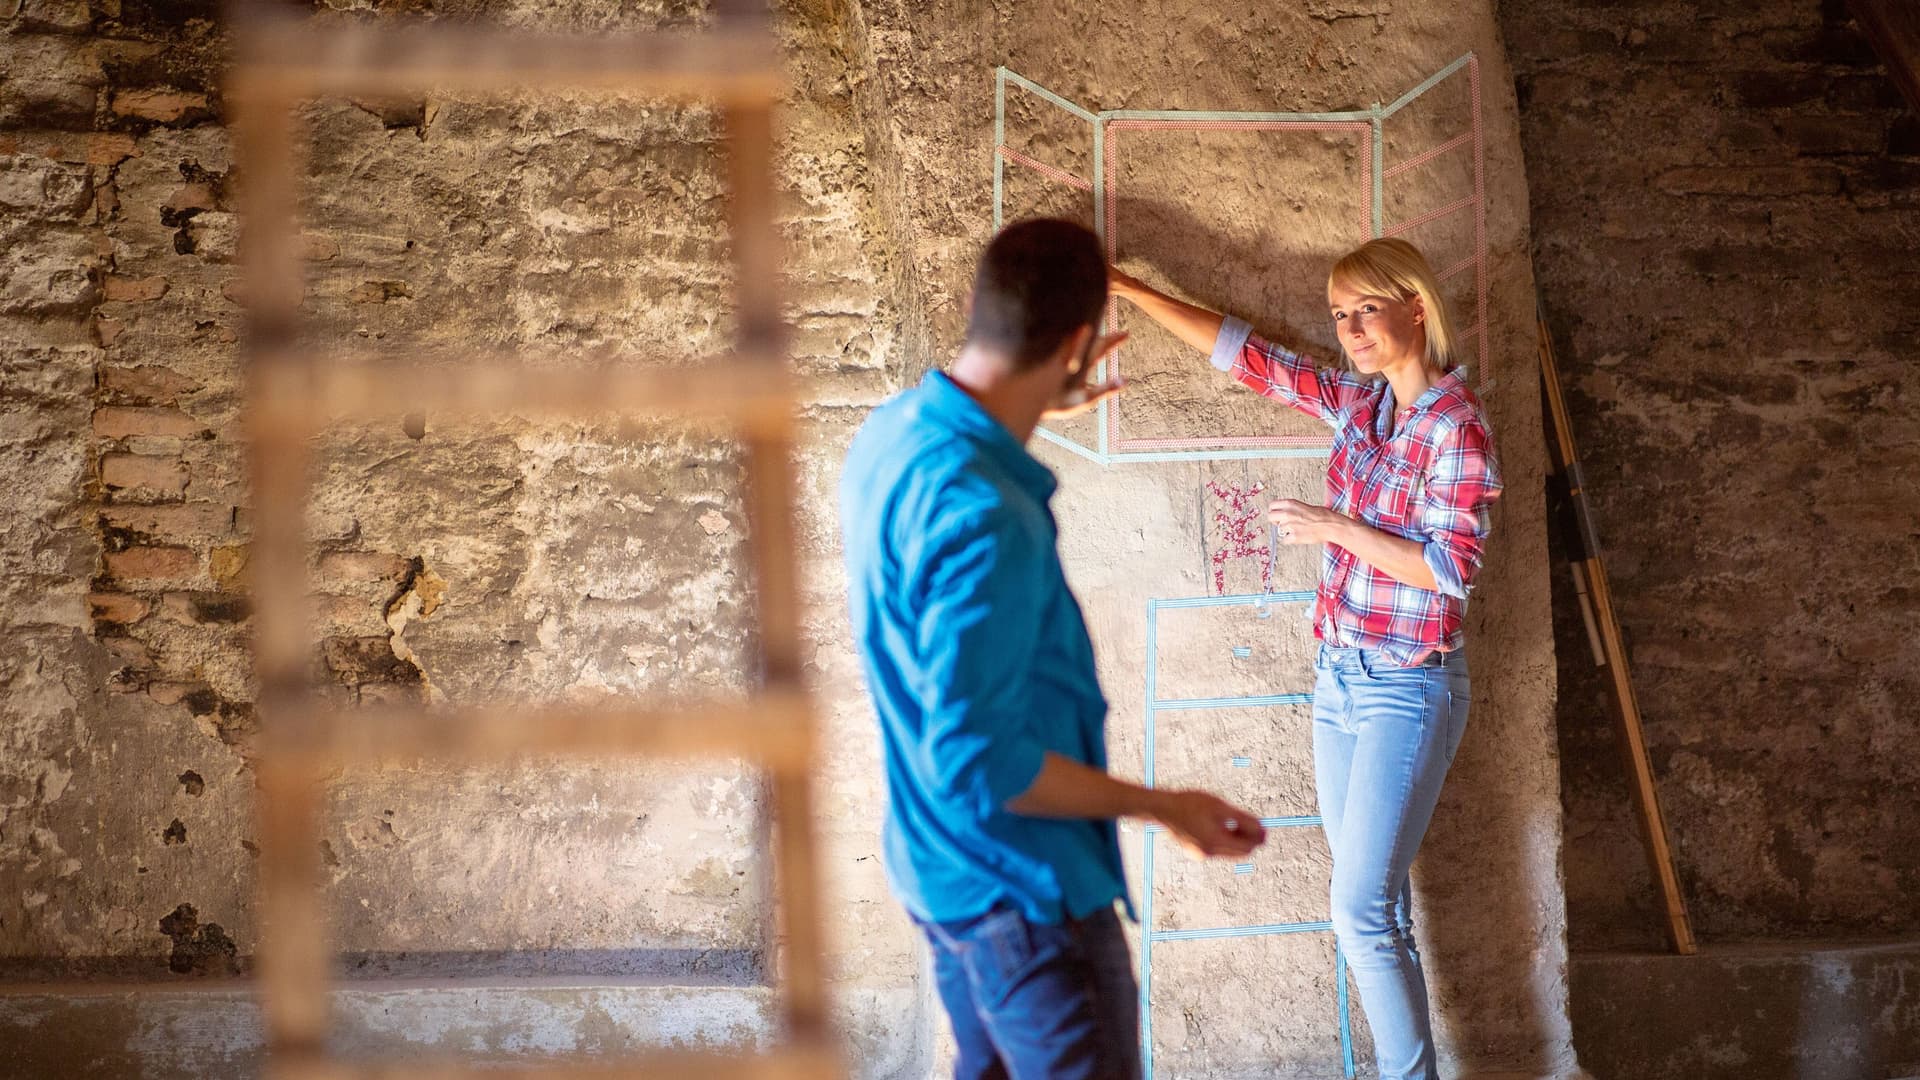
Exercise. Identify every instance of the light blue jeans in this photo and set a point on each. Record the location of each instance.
(1383, 737)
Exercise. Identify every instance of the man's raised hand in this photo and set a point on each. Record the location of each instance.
(1075, 396)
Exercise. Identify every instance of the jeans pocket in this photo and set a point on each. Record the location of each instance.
(998, 947)
(1457, 704)
(1460, 688)
(1379, 669)
(1009, 954)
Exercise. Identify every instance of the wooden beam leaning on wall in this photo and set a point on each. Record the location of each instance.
(1893, 26)
(1609, 652)
(291, 390)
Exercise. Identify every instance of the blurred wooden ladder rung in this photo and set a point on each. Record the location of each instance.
(293, 389)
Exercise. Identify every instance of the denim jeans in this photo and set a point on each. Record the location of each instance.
(1383, 737)
(1038, 1001)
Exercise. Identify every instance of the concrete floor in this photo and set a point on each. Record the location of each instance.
(1807, 1011)
(1800, 1011)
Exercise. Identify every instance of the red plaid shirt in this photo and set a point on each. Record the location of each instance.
(1432, 480)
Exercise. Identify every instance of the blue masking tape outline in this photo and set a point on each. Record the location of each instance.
(1149, 841)
(1375, 116)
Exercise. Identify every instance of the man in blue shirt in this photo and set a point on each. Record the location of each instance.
(1000, 836)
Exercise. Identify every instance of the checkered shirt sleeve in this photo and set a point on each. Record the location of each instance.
(1454, 513)
(1282, 374)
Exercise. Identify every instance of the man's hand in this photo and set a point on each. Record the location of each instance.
(1305, 523)
(1208, 825)
(1066, 788)
(1075, 396)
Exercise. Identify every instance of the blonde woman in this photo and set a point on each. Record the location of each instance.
(1410, 479)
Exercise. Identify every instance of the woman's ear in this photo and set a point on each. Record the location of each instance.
(1419, 306)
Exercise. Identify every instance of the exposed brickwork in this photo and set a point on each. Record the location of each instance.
(117, 422)
(143, 565)
(1726, 203)
(143, 475)
(455, 559)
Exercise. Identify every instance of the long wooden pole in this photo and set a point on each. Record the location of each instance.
(1603, 627)
(1893, 27)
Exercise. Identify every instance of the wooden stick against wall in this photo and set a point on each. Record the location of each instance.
(1893, 27)
(1603, 632)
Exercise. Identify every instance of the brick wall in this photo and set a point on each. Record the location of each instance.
(1726, 199)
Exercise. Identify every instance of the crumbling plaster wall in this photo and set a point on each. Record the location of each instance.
(1492, 916)
(1724, 199)
(457, 561)
(453, 562)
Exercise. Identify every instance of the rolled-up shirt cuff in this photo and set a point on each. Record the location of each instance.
(1446, 574)
(1013, 769)
(1233, 337)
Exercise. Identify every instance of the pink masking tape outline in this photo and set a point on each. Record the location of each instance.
(1044, 169)
(1227, 442)
(1474, 136)
(1418, 160)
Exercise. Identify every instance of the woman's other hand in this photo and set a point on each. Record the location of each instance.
(1305, 523)
(1399, 558)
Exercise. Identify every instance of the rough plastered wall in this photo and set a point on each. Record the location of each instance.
(456, 562)
(1243, 225)
(1736, 302)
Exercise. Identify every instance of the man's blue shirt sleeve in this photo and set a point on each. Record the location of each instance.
(979, 614)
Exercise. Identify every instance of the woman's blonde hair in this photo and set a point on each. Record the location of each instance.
(1392, 267)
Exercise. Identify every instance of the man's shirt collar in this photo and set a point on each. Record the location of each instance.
(945, 403)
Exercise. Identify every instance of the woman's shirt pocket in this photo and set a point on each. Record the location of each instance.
(1392, 496)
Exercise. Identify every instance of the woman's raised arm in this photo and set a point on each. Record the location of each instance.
(1267, 369)
(1196, 326)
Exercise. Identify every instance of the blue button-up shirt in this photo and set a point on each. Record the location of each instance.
(978, 660)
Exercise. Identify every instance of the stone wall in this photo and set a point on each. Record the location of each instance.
(457, 562)
(453, 562)
(1489, 875)
(1724, 199)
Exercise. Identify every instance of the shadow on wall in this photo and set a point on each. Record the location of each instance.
(1203, 244)
(1479, 923)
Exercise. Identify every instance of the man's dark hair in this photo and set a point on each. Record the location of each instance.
(1039, 281)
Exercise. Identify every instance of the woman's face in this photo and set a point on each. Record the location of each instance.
(1378, 332)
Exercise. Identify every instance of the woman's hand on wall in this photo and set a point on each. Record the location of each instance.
(1122, 285)
(1196, 326)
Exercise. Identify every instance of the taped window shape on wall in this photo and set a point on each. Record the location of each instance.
(1313, 185)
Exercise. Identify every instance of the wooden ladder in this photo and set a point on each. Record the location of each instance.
(1603, 634)
(292, 389)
